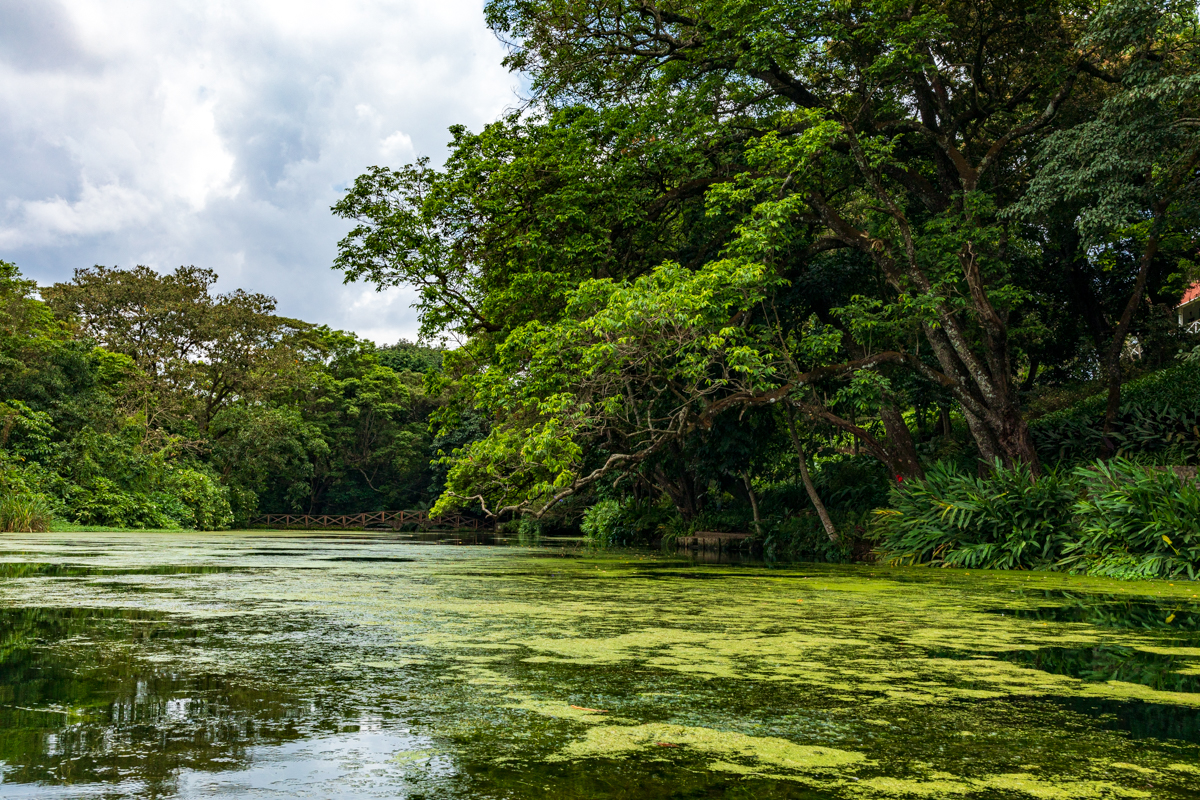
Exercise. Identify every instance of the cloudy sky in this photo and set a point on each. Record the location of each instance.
(219, 132)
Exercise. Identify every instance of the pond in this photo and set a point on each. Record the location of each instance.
(260, 665)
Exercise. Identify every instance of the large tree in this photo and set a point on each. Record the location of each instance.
(197, 352)
(903, 131)
(874, 164)
(1127, 178)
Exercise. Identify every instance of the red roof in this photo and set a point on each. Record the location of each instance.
(1192, 293)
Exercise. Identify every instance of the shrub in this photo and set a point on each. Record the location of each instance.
(103, 503)
(1007, 520)
(203, 503)
(25, 513)
(610, 522)
(1159, 414)
(600, 522)
(1135, 522)
(529, 531)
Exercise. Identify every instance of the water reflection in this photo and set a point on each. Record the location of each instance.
(26, 569)
(371, 559)
(79, 705)
(1112, 663)
(1108, 611)
(1139, 720)
(365, 667)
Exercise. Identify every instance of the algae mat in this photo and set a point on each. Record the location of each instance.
(283, 665)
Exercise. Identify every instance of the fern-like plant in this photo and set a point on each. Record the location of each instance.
(1007, 520)
(1135, 522)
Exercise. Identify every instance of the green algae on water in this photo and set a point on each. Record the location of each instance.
(503, 673)
(779, 754)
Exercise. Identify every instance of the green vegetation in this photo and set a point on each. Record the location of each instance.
(1007, 520)
(1114, 518)
(768, 267)
(1158, 416)
(25, 512)
(727, 251)
(873, 281)
(133, 399)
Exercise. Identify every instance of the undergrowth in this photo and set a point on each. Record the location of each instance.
(25, 513)
(1114, 518)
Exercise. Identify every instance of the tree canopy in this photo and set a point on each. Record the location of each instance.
(854, 211)
(134, 398)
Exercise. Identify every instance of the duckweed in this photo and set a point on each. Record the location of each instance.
(619, 740)
(198, 665)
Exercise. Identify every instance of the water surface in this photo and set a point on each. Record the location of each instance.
(291, 665)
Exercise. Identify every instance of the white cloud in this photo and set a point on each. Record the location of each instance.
(99, 209)
(381, 316)
(398, 145)
(219, 132)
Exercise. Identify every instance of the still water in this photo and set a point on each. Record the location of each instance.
(280, 665)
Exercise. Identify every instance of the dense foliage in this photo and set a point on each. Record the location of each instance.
(729, 249)
(1114, 518)
(135, 399)
(1159, 414)
(758, 266)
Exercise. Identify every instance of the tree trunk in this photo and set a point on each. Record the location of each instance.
(1019, 441)
(753, 503)
(1035, 364)
(826, 522)
(1112, 361)
(904, 452)
(986, 395)
(682, 491)
(883, 451)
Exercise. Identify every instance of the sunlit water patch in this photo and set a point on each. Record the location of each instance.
(273, 665)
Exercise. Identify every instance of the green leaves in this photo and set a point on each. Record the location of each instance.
(1006, 520)
(521, 214)
(630, 368)
(713, 204)
(1158, 417)
(1138, 150)
(1113, 518)
(1136, 521)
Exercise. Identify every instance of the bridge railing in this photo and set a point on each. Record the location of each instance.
(395, 520)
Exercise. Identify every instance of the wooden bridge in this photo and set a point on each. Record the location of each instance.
(371, 520)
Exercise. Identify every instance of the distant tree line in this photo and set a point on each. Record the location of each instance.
(133, 398)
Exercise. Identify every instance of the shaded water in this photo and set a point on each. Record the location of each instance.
(285, 665)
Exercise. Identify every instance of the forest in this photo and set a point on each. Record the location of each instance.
(134, 399)
(871, 280)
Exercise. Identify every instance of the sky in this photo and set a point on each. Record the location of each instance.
(218, 133)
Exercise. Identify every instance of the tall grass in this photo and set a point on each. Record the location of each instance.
(24, 513)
